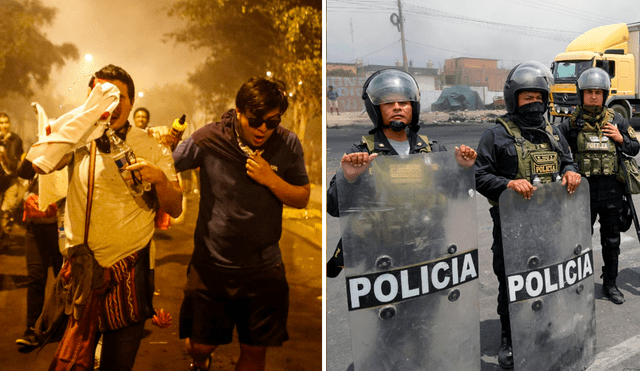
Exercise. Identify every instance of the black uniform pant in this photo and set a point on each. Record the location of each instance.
(609, 212)
(41, 251)
(498, 263)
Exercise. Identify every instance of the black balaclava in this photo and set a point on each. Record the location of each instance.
(530, 115)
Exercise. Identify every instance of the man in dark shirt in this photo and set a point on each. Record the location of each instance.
(596, 134)
(250, 167)
(499, 164)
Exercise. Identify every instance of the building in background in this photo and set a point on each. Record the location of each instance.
(475, 72)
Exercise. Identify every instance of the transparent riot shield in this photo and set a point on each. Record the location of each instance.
(549, 266)
(411, 260)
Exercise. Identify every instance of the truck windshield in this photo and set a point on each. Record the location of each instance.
(569, 70)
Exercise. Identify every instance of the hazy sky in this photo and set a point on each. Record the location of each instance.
(122, 32)
(509, 30)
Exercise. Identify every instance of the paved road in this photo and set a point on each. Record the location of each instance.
(618, 326)
(161, 349)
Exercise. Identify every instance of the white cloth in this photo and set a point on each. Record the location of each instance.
(74, 129)
(120, 224)
(51, 187)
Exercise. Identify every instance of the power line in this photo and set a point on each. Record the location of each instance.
(385, 6)
(381, 49)
(574, 12)
(461, 53)
(552, 34)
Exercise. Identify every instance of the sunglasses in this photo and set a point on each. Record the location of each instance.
(272, 123)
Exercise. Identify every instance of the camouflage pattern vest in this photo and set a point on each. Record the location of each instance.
(596, 152)
(534, 160)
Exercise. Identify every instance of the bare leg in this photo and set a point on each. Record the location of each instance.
(252, 358)
(200, 353)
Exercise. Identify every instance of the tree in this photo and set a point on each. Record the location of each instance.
(26, 55)
(247, 38)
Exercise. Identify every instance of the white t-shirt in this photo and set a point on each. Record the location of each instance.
(402, 148)
(120, 224)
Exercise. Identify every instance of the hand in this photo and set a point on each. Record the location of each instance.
(259, 169)
(162, 319)
(523, 187)
(162, 135)
(572, 180)
(148, 172)
(612, 132)
(354, 164)
(465, 156)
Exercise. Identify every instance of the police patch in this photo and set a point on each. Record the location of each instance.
(632, 133)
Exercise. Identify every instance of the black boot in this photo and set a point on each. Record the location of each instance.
(609, 287)
(505, 355)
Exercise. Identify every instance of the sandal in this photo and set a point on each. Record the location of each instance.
(193, 367)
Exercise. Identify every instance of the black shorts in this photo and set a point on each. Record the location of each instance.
(216, 301)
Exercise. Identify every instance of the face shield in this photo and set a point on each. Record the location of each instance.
(533, 74)
(393, 86)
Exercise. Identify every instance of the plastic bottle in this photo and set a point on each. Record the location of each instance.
(536, 180)
(177, 129)
(123, 156)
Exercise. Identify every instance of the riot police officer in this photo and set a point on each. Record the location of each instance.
(392, 100)
(595, 134)
(520, 151)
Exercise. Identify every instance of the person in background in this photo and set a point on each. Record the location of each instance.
(40, 248)
(332, 99)
(595, 134)
(11, 191)
(141, 117)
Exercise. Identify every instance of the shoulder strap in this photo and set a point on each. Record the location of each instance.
(369, 142)
(511, 128)
(92, 170)
(425, 138)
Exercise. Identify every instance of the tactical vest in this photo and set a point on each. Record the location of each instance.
(534, 159)
(596, 153)
(369, 142)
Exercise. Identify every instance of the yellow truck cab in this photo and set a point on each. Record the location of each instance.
(614, 48)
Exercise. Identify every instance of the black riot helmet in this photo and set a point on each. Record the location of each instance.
(593, 78)
(529, 76)
(390, 85)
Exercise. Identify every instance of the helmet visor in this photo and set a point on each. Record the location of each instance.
(533, 74)
(393, 86)
(594, 78)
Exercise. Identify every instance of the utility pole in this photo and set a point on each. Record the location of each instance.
(353, 50)
(398, 21)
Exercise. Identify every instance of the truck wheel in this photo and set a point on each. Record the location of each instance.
(621, 110)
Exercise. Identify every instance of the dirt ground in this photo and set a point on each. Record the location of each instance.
(428, 118)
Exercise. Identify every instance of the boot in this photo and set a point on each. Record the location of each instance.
(609, 276)
(505, 355)
(610, 289)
